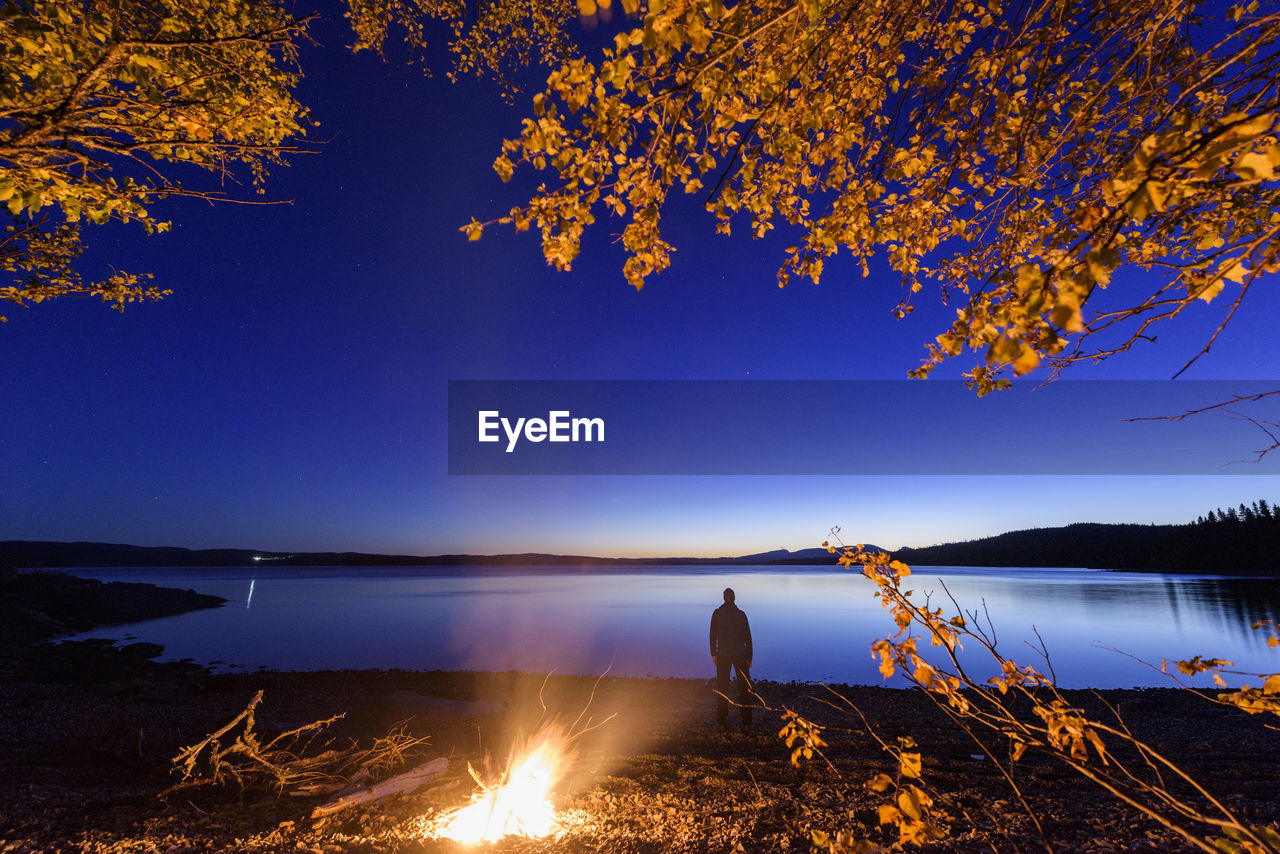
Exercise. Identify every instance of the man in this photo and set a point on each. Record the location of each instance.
(731, 650)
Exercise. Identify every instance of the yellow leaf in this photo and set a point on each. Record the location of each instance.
(1254, 166)
(1235, 270)
(1138, 205)
(1210, 290)
(909, 805)
(1030, 277)
(879, 782)
(1027, 360)
(888, 813)
(1067, 316)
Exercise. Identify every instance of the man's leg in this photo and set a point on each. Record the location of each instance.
(724, 668)
(744, 693)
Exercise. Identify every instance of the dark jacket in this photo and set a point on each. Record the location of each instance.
(730, 632)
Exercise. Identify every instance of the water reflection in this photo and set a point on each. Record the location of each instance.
(809, 625)
(1095, 624)
(1236, 604)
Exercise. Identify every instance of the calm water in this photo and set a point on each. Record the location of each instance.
(808, 624)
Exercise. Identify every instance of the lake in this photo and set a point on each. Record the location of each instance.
(809, 624)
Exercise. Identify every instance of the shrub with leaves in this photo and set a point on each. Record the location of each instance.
(1265, 699)
(1021, 710)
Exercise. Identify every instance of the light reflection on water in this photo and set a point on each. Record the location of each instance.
(808, 624)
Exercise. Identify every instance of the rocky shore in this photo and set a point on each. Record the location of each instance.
(40, 605)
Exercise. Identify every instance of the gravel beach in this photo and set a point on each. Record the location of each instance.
(86, 749)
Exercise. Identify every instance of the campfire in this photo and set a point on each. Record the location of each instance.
(518, 803)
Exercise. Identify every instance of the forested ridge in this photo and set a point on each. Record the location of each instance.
(1235, 540)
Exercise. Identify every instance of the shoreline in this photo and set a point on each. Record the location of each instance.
(39, 604)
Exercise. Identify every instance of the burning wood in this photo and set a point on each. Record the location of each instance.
(519, 803)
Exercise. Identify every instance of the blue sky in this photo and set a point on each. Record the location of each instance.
(292, 392)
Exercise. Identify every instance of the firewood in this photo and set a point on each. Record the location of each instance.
(399, 784)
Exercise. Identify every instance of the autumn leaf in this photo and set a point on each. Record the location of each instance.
(1018, 190)
(1254, 166)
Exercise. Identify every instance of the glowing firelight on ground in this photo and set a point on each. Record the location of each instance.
(519, 804)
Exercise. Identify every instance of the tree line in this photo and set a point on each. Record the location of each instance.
(1258, 511)
(1243, 540)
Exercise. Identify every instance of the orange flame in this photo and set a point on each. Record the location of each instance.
(520, 804)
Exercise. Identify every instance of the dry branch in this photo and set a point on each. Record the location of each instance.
(399, 784)
(292, 760)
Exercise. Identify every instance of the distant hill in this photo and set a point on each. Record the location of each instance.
(1227, 547)
(818, 556)
(1228, 542)
(1084, 544)
(40, 554)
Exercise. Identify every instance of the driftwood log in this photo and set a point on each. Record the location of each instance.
(399, 784)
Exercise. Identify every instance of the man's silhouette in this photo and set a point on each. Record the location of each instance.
(731, 650)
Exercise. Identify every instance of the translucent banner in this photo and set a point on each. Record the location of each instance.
(706, 427)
